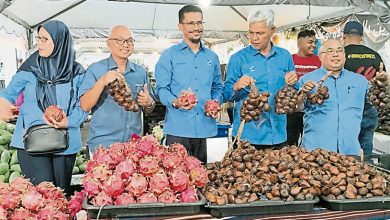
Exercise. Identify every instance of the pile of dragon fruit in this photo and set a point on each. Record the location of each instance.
(21, 200)
(143, 171)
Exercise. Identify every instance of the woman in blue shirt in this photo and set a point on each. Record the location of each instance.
(45, 79)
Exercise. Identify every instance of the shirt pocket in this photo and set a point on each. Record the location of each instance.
(180, 72)
(354, 97)
(206, 72)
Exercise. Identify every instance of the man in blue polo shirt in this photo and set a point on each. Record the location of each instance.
(270, 67)
(334, 125)
(111, 122)
(189, 65)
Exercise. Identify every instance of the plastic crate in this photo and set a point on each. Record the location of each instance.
(261, 207)
(382, 202)
(223, 130)
(144, 209)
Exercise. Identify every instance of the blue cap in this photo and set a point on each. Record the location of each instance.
(353, 27)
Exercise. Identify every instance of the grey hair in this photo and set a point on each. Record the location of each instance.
(258, 15)
(118, 26)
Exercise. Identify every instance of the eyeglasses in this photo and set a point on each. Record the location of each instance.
(42, 39)
(121, 41)
(193, 23)
(331, 51)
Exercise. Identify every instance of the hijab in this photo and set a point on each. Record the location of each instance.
(59, 68)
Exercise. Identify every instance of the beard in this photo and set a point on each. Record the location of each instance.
(195, 41)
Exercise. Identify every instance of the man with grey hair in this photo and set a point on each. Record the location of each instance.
(111, 122)
(334, 125)
(267, 66)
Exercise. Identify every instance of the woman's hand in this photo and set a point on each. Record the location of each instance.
(6, 108)
(58, 124)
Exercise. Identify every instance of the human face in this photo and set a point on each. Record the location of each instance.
(121, 42)
(260, 35)
(332, 55)
(45, 43)
(192, 26)
(307, 45)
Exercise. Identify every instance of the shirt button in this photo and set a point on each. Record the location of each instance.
(197, 113)
(196, 67)
(196, 90)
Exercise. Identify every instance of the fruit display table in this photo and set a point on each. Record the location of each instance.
(382, 143)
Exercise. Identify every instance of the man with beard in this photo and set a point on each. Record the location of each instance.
(334, 125)
(111, 122)
(365, 61)
(189, 65)
(304, 61)
(267, 66)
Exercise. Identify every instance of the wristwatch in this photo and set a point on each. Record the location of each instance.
(153, 102)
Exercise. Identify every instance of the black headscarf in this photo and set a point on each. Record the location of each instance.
(60, 67)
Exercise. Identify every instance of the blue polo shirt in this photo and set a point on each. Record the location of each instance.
(269, 74)
(335, 125)
(179, 69)
(110, 122)
(33, 115)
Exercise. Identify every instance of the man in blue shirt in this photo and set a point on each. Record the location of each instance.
(189, 65)
(270, 68)
(111, 122)
(334, 125)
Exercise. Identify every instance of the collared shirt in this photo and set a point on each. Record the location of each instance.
(178, 69)
(269, 74)
(33, 115)
(110, 122)
(335, 125)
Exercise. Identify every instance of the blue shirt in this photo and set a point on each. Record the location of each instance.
(179, 69)
(33, 115)
(269, 74)
(335, 125)
(110, 122)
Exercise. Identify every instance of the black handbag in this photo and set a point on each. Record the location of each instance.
(44, 139)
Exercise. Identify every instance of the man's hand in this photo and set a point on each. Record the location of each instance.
(184, 105)
(243, 82)
(308, 86)
(144, 99)
(291, 78)
(6, 108)
(110, 77)
(58, 124)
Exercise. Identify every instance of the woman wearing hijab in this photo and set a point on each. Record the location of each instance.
(45, 79)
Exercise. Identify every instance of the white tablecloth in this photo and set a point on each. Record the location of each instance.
(381, 143)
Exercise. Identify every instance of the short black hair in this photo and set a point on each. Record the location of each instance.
(306, 33)
(187, 9)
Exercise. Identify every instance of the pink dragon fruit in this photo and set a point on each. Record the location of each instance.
(124, 199)
(182, 166)
(91, 185)
(199, 176)
(179, 148)
(60, 204)
(10, 200)
(189, 195)
(126, 168)
(117, 152)
(75, 203)
(187, 96)
(114, 186)
(138, 185)
(20, 184)
(105, 158)
(61, 216)
(147, 197)
(22, 214)
(102, 199)
(171, 160)
(32, 200)
(158, 183)
(101, 172)
(148, 166)
(46, 214)
(179, 180)
(192, 162)
(145, 146)
(49, 191)
(90, 165)
(159, 151)
(167, 197)
(211, 107)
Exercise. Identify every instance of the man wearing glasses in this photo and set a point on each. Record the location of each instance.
(189, 65)
(334, 125)
(110, 122)
(267, 66)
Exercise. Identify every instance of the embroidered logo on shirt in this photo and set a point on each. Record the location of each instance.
(252, 68)
(209, 62)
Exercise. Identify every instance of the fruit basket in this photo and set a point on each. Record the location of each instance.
(382, 202)
(261, 207)
(144, 209)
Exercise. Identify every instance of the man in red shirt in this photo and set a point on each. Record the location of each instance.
(304, 61)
